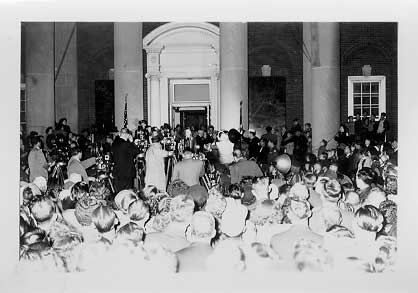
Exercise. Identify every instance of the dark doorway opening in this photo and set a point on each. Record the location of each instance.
(105, 105)
(195, 118)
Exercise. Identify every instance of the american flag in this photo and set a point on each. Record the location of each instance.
(125, 113)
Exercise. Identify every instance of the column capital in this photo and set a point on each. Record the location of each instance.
(155, 49)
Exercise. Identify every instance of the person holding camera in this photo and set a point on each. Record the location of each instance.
(124, 153)
(76, 166)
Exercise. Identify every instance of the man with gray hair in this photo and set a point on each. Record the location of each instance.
(188, 170)
(200, 234)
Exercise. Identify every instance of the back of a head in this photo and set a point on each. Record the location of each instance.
(79, 190)
(149, 191)
(130, 233)
(125, 131)
(103, 218)
(299, 190)
(367, 175)
(138, 210)
(216, 203)
(41, 183)
(181, 208)
(331, 191)
(155, 139)
(369, 218)
(75, 151)
(296, 209)
(202, 225)
(339, 231)
(237, 153)
(187, 154)
(99, 190)
(124, 198)
(35, 140)
(309, 179)
(375, 197)
(352, 198)
(42, 210)
(199, 194)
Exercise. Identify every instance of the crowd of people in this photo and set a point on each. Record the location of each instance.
(232, 202)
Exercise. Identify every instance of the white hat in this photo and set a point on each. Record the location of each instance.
(75, 177)
(299, 190)
(65, 193)
(40, 182)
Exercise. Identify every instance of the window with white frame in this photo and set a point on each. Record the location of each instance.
(366, 94)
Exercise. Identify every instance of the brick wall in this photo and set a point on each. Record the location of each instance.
(374, 44)
(279, 45)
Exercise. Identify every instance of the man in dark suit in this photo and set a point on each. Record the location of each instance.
(124, 153)
(243, 168)
(188, 170)
(253, 143)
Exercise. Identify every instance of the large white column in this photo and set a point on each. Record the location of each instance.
(233, 74)
(325, 81)
(39, 79)
(128, 72)
(164, 118)
(154, 104)
(153, 80)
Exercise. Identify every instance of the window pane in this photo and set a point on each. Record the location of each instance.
(356, 87)
(375, 99)
(366, 111)
(22, 117)
(366, 99)
(357, 100)
(22, 106)
(375, 111)
(366, 87)
(357, 110)
(375, 87)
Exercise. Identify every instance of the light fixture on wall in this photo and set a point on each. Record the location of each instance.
(266, 70)
(367, 70)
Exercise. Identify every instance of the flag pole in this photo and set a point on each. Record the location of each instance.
(125, 113)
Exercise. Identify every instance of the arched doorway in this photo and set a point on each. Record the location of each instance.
(182, 73)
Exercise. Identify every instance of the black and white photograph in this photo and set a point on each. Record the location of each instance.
(156, 147)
